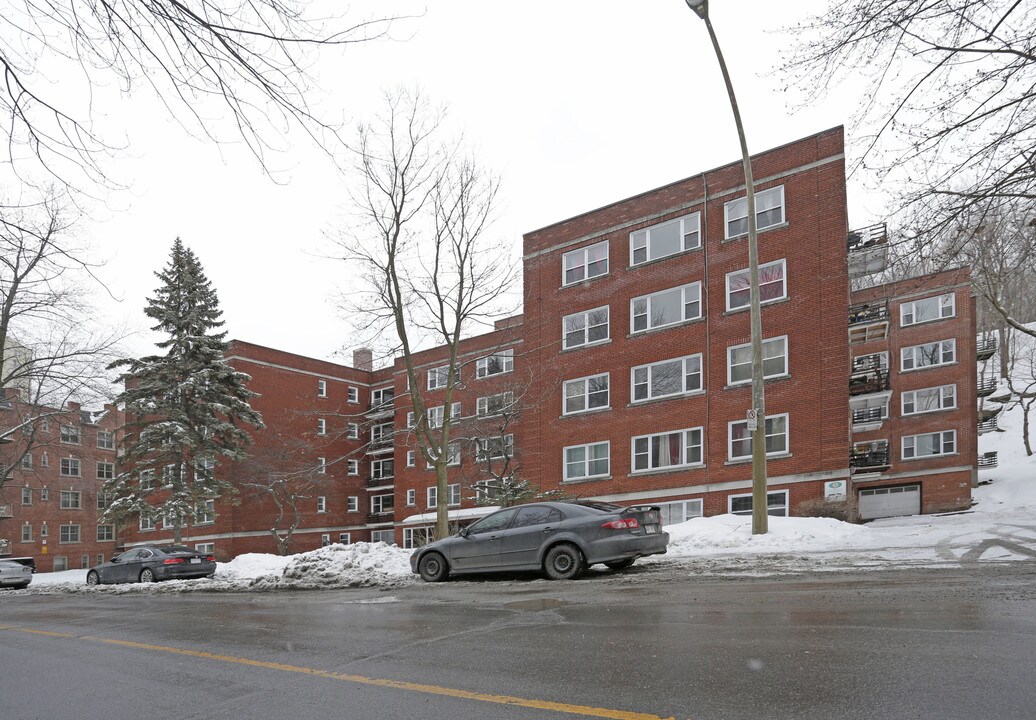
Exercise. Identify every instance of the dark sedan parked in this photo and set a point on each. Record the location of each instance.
(149, 563)
(560, 538)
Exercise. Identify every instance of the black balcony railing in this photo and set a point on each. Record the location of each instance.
(376, 480)
(988, 425)
(877, 311)
(379, 444)
(985, 348)
(6, 511)
(987, 387)
(867, 363)
(869, 460)
(863, 416)
(384, 516)
(385, 405)
(988, 460)
(867, 237)
(874, 381)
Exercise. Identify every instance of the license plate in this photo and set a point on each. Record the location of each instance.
(195, 560)
(651, 529)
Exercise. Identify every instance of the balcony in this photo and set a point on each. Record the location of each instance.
(869, 457)
(6, 511)
(868, 250)
(986, 387)
(869, 382)
(988, 460)
(868, 322)
(385, 516)
(380, 480)
(987, 421)
(379, 446)
(985, 349)
(381, 408)
(867, 419)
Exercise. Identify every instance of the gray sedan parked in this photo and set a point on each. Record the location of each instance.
(560, 538)
(14, 574)
(149, 563)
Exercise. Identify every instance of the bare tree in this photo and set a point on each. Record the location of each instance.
(431, 272)
(51, 350)
(251, 59)
(948, 117)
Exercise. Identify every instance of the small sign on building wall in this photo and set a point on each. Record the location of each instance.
(834, 490)
(753, 419)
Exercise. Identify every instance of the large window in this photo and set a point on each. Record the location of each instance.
(769, 212)
(495, 404)
(437, 377)
(667, 307)
(105, 440)
(205, 512)
(583, 462)
(69, 534)
(666, 378)
(496, 364)
(105, 533)
(680, 511)
(453, 494)
(776, 503)
(26, 496)
(589, 393)
(415, 537)
(436, 416)
(452, 455)
(926, 400)
(585, 328)
(933, 354)
(585, 263)
(775, 361)
(681, 448)
(664, 239)
(70, 434)
(382, 504)
(70, 467)
(927, 310)
(929, 444)
(71, 500)
(383, 469)
(105, 471)
(740, 438)
(771, 285)
(492, 448)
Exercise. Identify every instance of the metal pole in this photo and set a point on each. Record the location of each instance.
(759, 514)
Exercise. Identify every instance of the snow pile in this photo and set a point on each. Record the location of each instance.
(252, 565)
(357, 565)
(733, 533)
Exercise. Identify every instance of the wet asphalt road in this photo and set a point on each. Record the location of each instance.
(650, 643)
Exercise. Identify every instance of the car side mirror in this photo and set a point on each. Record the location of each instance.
(115, 558)
(463, 532)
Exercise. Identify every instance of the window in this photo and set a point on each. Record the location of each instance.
(353, 431)
(103, 500)
(410, 423)
(432, 496)
(70, 467)
(27, 461)
(411, 497)
(325, 539)
(382, 469)
(147, 479)
(71, 500)
(44, 493)
(353, 394)
(147, 523)
(60, 564)
(84, 562)
(381, 434)
(933, 354)
(436, 415)
(105, 533)
(681, 511)
(68, 534)
(207, 548)
(411, 458)
(495, 404)
(43, 530)
(775, 361)
(585, 263)
(382, 396)
(437, 377)
(382, 504)
(321, 388)
(415, 537)
(740, 439)
(26, 496)
(776, 503)
(929, 444)
(771, 285)
(496, 364)
(321, 504)
(916, 402)
(105, 440)
(353, 504)
(204, 468)
(26, 533)
(321, 426)
(666, 379)
(321, 466)
(496, 447)
(587, 461)
(585, 328)
(70, 434)
(664, 239)
(589, 393)
(105, 471)
(453, 494)
(345, 538)
(45, 425)
(927, 310)
(769, 212)
(100, 558)
(667, 307)
(205, 512)
(681, 448)
(353, 467)
(385, 536)
(44, 459)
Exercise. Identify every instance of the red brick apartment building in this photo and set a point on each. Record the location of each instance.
(628, 378)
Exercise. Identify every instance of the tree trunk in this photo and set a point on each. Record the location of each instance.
(1025, 426)
(1005, 354)
(442, 524)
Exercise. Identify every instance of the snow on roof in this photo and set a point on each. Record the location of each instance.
(461, 514)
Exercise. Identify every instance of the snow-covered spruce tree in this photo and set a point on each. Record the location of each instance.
(185, 409)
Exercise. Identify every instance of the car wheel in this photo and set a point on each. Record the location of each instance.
(620, 564)
(92, 578)
(563, 562)
(20, 587)
(147, 575)
(433, 567)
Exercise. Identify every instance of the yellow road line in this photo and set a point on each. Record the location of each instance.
(360, 679)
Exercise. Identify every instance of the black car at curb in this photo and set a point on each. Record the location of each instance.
(151, 563)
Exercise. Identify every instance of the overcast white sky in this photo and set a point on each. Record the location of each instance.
(574, 104)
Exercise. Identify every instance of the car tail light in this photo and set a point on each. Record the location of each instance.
(210, 558)
(621, 524)
(173, 561)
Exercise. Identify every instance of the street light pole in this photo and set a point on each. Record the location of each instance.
(759, 514)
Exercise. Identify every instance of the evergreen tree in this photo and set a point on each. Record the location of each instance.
(184, 409)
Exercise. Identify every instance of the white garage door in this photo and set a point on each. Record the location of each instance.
(890, 502)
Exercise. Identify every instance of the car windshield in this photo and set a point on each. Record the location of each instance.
(601, 506)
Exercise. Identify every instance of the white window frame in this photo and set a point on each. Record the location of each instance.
(146, 523)
(587, 449)
(762, 301)
(105, 440)
(71, 500)
(411, 458)
(70, 464)
(917, 353)
(689, 438)
(690, 294)
(689, 227)
(105, 470)
(498, 404)
(353, 504)
(26, 496)
(421, 535)
(782, 342)
(580, 323)
(321, 503)
(345, 538)
(70, 435)
(205, 512)
(432, 496)
(945, 443)
(688, 509)
(437, 415)
(453, 495)
(438, 377)
(499, 363)
(352, 431)
(66, 533)
(208, 548)
(27, 533)
(105, 533)
(770, 420)
(352, 467)
(321, 427)
(321, 466)
(353, 394)
(581, 259)
(769, 493)
(411, 497)
(946, 307)
(381, 465)
(737, 209)
(322, 388)
(325, 539)
(504, 448)
(27, 461)
(945, 393)
(585, 394)
(649, 370)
